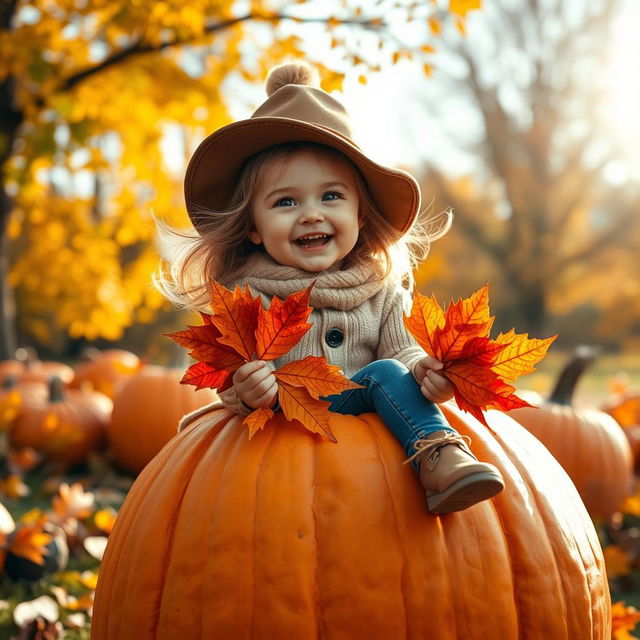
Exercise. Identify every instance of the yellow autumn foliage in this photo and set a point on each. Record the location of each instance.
(100, 86)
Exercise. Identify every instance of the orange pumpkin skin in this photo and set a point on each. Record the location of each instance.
(41, 371)
(588, 443)
(105, 370)
(590, 446)
(290, 536)
(66, 426)
(146, 410)
(11, 368)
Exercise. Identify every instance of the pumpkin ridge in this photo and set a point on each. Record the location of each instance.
(564, 580)
(525, 610)
(517, 600)
(256, 501)
(316, 583)
(396, 525)
(483, 447)
(140, 490)
(520, 608)
(124, 523)
(224, 443)
(197, 453)
(206, 474)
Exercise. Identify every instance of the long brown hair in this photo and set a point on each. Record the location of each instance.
(219, 249)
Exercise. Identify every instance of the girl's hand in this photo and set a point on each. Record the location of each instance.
(255, 384)
(434, 386)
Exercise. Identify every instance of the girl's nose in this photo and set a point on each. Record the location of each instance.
(311, 214)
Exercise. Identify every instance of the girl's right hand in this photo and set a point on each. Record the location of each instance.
(255, 384)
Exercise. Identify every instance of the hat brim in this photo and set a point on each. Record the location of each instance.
(213, 169)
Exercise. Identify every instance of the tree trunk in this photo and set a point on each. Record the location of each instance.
(10, 120)
(8, 343)
(532, 308)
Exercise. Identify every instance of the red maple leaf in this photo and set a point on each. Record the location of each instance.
(241, 330)
(478, 367)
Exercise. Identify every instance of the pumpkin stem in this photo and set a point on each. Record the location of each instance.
(582, 358)
(56, 389)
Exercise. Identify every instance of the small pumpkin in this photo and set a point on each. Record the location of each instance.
(11, 368)
(104, 370)
(587, 442)
(146, 410)
(66, 426)
(29, 368)
(288, 535)
(12, 395)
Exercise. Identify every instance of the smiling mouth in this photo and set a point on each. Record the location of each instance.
(313, 240)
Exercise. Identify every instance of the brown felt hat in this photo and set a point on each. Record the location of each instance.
(297, 110)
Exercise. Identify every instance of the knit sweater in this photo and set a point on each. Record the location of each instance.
(365, 308)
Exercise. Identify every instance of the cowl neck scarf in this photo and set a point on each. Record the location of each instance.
(335, 288)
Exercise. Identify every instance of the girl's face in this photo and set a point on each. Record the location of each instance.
(305, 210)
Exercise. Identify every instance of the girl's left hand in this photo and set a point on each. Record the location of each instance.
(434, 386)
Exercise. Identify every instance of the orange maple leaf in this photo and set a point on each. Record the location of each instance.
(30, 541)
(241, 330)
(257, 420)
(478, 367)
(624, 619)
(283, 324)
(204, 342)
(298, 404)
(235, 316)
(316, 376)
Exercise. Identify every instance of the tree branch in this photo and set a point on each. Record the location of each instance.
(467, 226)
(598, 243)
(138, 47)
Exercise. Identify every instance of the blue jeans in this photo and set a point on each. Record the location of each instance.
(391, 391)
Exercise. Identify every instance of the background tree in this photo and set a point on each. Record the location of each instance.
(90, 90)
(549, 227)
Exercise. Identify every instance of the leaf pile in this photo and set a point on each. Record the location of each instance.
(479, 368)
(241, 330)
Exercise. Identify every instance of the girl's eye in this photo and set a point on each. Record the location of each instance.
(285, 202)
(332, 195)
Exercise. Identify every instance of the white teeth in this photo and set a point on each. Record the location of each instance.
(314, 236)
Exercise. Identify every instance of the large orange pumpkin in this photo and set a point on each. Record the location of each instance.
(290, 536)
(587, 442)
(104, 370)
(66, 426)
(146, 410)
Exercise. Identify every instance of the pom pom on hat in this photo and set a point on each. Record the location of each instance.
(291, 73)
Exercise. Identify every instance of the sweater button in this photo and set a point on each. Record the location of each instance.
(334, 337)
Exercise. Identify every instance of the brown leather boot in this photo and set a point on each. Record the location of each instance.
(451, 475)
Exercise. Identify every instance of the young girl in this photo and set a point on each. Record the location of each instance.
(285, 198)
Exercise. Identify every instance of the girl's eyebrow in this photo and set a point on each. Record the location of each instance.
(324, 185)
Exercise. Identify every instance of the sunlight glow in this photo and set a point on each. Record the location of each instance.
(622, 104)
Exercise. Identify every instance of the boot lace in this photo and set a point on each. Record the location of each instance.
(428, 449)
